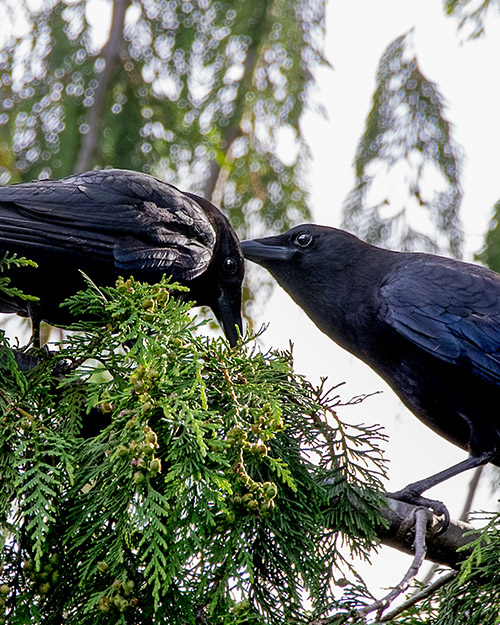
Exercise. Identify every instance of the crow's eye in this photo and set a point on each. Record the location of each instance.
(230, 266)
(303, 239)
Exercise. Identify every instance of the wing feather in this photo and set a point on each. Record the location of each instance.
(131, 219)
(449, 309)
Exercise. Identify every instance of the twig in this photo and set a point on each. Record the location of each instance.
(328, 435)
(422, 518)
(471, 492)
(20, 411)
(419, 596)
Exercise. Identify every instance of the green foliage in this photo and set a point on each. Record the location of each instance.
(490, 254)
(473, 598)
(7, 261)
(470, 15)
(408, 138)
(151, 474)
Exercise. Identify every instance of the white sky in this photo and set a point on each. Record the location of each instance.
(467, 75)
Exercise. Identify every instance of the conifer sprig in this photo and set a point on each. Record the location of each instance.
(151, 474)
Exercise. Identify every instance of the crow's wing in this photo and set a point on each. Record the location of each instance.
(449, 309)
(127, 218)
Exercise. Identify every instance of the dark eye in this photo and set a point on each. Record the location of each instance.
(230, 266)
(303, 239)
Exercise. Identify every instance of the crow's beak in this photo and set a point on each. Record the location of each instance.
(229, 316)
(261, 250)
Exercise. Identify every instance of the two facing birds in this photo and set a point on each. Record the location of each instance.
(428, 325)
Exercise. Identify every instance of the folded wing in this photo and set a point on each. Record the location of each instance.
(135, 221)
(450, 310)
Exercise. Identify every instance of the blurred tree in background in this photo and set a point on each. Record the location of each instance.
(490, 254)
(407, 164)
(198, 92)
(470, 14)
(204, 93)
(407, 190)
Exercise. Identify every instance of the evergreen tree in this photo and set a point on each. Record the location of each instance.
(152, 474)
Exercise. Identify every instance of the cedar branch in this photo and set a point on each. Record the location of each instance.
(444, 549)
(422, 518)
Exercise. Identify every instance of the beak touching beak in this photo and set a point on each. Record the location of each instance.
(229, 316)
(261, 250)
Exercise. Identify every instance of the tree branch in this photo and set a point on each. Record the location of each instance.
(422, 518)
(232, 130)
(419, 596)
(111, 56)
(442, 549)
(471, 492)
(411, 529)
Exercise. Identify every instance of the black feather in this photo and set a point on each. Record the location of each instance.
(112, 222)
(430, 326)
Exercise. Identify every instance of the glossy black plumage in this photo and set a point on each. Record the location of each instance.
(430, 326)
(118, 222)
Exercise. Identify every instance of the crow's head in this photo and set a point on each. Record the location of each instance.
(317, 266)
(304, 255)
(220, 285)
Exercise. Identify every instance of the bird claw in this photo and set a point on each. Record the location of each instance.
(408, 495)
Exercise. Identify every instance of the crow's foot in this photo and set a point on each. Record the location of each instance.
(413, 496)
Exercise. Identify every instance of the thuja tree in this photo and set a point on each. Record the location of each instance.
(151, 474)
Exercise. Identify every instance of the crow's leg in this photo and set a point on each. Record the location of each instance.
(36, 320)
(413, 492)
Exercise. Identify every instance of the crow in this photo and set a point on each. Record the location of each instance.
(114, 222)
(428, 325)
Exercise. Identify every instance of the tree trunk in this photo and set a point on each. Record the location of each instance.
(111, 56)
(233, 130)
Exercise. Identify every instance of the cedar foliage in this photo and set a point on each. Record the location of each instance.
(152, 474)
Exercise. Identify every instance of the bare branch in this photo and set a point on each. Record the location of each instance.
(232, 130)
(111, 56)
(442, 549)
(471, 492)
(411, 529)
(422, 518)
(420, 596)
(426, 592)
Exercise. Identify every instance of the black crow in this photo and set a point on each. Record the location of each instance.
(117, 222)
(430, 326)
